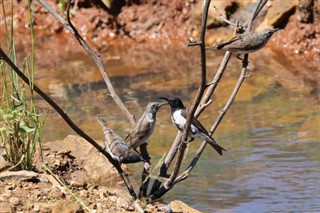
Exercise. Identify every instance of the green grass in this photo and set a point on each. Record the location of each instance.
(20, 118)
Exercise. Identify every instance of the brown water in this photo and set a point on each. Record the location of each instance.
(271, 132)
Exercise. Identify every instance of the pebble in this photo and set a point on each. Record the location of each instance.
(46, 191)
(10, 186)
(99, 207)
(5, 207)
(55, 193)
(83, 193)
(122, 202)
(14, 200)
(36, 207)
(113, 198)
(6, 194)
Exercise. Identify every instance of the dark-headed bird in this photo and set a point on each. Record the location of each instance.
(179, 119)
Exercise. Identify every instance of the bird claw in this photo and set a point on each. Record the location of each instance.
(238, 57)
(103, 149)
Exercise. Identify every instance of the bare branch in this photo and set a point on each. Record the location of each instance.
(145, 177)
(69, 26)
(213, 85)
(223, 19)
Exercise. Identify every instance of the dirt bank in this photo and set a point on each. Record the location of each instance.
(90, 182)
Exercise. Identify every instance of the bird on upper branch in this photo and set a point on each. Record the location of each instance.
(246, 42)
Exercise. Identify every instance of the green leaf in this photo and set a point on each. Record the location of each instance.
(23, 127)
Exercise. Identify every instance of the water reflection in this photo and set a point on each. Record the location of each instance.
(271, 132)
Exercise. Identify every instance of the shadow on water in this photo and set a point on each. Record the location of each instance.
(271, 132)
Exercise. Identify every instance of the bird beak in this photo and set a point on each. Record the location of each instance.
(276, 29)
(164, 98)
(161, 104)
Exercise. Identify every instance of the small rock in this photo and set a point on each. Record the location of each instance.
(124, 203)
(36, 207)
(83, 193)
(14, 200)
(113, 199)
(76, 183)
(11, 186)
(46, 191)
(95, 191)
(42, 207)
(6, 194)
(66, 206)
(55, 193)
(99, 207)
(166, 209)
(179, 206)
(102, 193)
(5, 207)
(57, 162)
(18, 175)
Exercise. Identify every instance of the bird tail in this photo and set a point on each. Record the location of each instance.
(215, 145)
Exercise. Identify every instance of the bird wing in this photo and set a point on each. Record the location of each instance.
(137, 134)
(197, 123)
(233, 39)
(194, 124)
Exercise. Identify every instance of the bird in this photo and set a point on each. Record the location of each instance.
(115, 145)
(246, 42)
(197, 130)
(143, 129)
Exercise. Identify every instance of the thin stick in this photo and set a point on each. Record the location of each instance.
(145, 176)
(223, 19)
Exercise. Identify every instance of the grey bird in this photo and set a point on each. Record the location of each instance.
(143, 129)
(197, 130)
(246, 42)
(115, 146)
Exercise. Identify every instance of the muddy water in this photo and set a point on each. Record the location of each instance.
(271, 132)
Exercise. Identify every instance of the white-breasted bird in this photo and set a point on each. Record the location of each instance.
(197, 130)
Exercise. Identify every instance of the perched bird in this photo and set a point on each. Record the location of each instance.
(179, 118)
(143, 129)
(115, 146)
(246, 42)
